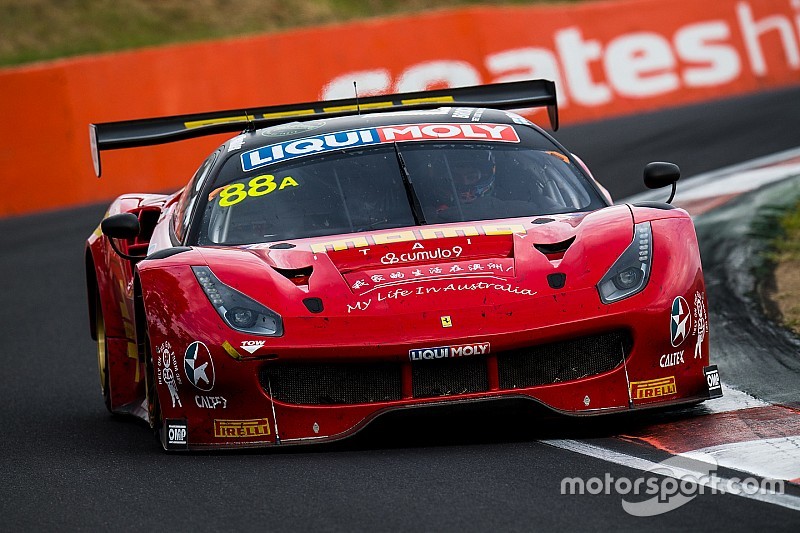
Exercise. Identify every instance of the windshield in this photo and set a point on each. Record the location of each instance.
(365, 189)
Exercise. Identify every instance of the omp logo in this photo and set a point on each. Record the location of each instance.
(713, 381)
(251, 346)
(258, 427)
(653, 388)
(284, 151)
(445, 352)
(176, 434)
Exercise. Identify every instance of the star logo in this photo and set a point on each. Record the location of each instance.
(199, 366)
(680, 321)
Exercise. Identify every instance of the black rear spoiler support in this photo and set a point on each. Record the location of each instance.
(146, 132)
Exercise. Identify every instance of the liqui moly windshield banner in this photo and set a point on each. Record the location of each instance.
(367, 136)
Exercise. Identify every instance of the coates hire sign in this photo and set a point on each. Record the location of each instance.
(446, 352)
(644, 55)
(607, 58)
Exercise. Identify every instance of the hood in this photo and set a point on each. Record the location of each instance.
(473, 264)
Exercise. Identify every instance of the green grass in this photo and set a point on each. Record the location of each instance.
(787, 247)
(35, 30)
(778, 225)
(785, 250)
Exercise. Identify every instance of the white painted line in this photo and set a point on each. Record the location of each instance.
(732, 400)
(709, 182)
(744, 181)
(694, 476)
(776, 458)
(768, 160)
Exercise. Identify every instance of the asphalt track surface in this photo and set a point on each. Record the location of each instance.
(66, 464)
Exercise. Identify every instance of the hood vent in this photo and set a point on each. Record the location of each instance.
(282, 246)
(555, 249)
(298, 276)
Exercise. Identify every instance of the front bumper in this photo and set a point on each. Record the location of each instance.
(333, 373)
(296, 402)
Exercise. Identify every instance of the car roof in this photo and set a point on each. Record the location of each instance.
(444, 115)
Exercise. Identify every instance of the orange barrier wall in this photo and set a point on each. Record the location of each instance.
(608, 58)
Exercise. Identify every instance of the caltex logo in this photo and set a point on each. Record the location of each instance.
(680, 321)
(198, 366)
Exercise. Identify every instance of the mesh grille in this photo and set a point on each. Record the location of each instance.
(325, 384)
(447, 377)
(354, 383)
(563, 361)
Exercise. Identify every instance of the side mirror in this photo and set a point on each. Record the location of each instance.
(659, 174)
(121, 226)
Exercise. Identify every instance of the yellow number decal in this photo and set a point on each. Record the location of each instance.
(262, 185)
(288, 181)
(232, 195)
(258, 186)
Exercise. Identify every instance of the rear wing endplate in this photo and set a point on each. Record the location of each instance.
(150, 131)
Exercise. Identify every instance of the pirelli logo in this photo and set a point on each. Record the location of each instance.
(226, 429)
(653, 388)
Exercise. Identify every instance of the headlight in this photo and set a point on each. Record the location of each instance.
(629, 274)
(237, 310)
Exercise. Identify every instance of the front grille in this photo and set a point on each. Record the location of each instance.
(325, 384)
(359, 383)
(449, 376)
(563, 361)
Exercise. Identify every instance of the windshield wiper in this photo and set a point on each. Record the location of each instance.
(411, 194)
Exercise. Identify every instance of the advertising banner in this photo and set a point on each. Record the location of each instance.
(607, 59)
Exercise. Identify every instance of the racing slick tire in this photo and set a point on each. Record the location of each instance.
(153, 402)
(102, 352)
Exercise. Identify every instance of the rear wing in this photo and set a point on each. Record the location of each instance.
(150, 131)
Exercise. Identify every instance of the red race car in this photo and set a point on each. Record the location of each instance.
(339, 260)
